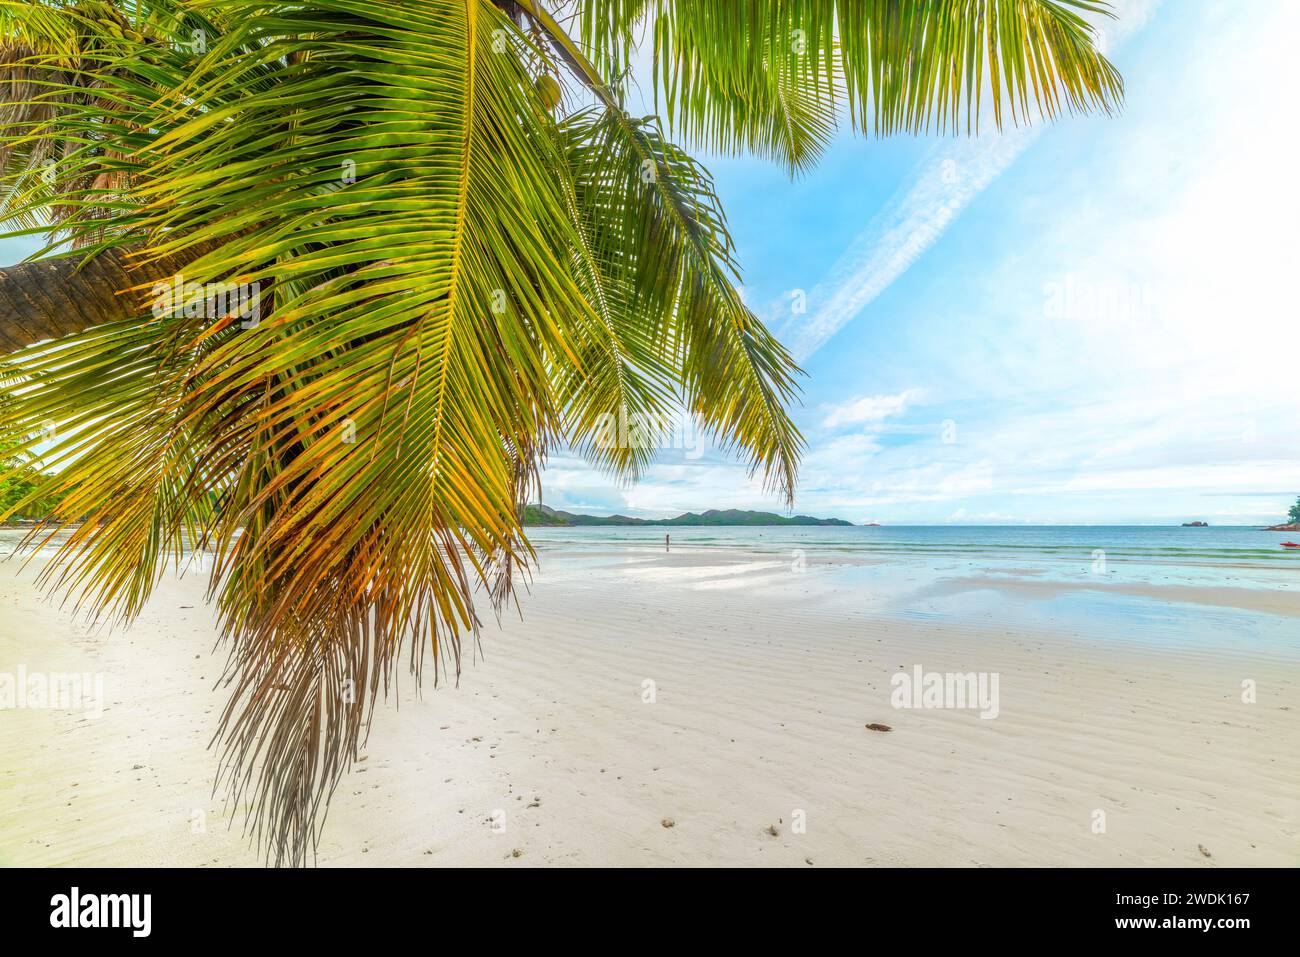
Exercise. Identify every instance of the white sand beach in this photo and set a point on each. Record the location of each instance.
(755, 746)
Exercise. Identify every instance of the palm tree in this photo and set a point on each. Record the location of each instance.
(326, 281)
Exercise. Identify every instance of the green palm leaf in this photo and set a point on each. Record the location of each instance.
(769, 76)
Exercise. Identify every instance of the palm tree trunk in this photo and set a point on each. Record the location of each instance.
(57, 297)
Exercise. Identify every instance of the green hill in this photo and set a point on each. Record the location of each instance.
(544, 516)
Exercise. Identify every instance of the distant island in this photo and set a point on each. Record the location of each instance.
(1293, 525)
(543, 515)
(1196, 524)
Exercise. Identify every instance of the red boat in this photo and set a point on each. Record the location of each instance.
(1291, 544)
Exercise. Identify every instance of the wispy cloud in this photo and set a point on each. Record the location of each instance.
(901, 233)
(868, 408)
(920, 213)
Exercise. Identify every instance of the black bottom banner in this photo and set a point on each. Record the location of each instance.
(336, 907)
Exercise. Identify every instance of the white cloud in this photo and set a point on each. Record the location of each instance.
(868, 408)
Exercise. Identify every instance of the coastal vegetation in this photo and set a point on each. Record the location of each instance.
(26, 492)
(1293, 520)
(541, 515)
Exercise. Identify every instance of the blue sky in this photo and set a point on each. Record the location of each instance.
(1089, 322)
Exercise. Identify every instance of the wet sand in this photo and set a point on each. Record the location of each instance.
(755, 745)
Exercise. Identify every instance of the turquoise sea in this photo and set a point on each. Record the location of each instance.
(1225, 585)
(1221, 584)
(1214, 547)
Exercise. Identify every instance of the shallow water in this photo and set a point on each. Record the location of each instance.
(1226, 587)
(1218, 586)
(1020, 549)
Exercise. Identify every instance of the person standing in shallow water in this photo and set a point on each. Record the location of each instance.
(666, 542)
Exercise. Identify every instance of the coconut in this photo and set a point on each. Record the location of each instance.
(549, 90)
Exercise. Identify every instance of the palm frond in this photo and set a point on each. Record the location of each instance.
(364, 439)
(662, 241)
(772, 76)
